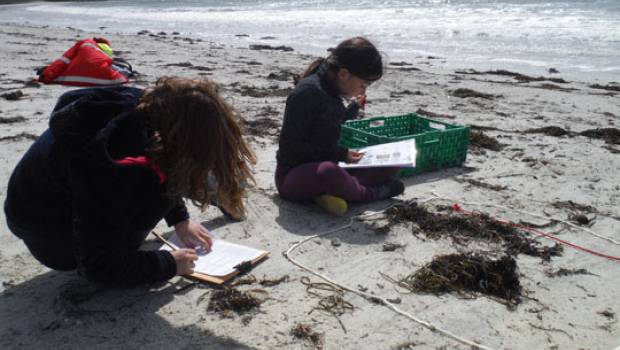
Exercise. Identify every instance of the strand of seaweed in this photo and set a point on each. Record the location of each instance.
(541, 233)
(374, 299)
(467, 275)
(333, 304)
(608, 239)
(462, 228)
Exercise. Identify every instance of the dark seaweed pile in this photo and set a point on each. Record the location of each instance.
(466, 274)
(462, 228)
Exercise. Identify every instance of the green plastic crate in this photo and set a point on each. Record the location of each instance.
(439, 144)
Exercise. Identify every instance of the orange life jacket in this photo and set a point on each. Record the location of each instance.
(85, 64)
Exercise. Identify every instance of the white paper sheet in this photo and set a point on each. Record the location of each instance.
(394, 154)
(222, 258)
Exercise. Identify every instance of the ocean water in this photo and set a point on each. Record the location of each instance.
(581, 39)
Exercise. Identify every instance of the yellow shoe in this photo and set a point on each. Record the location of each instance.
(334, 205)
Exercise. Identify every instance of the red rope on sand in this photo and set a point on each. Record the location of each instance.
(457, 207)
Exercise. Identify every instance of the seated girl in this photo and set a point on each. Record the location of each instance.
(309, 150)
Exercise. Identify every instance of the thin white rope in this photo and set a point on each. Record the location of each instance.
(370, 297)
(608, 239)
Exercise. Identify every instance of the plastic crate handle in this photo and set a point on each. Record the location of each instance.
(376, 123)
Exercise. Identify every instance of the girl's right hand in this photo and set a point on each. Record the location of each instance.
(354, 156)
(185, 260)
(361, 100)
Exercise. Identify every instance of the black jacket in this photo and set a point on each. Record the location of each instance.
(312, 118)
(68, 187)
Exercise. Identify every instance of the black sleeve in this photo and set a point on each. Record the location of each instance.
(106, 251)
(177, 214)
(301, 108)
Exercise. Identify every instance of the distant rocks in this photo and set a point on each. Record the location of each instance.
(13, 95)
(269, 47)
(464, 93)
(283, 75)
(610, 87)
(11, 120)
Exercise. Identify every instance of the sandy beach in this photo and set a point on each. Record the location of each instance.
(557, 156)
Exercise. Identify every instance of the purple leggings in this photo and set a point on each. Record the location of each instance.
(306, 181)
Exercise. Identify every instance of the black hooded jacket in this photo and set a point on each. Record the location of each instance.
(312, 118)
(69, 187)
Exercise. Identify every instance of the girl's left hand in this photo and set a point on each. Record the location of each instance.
(193, 234)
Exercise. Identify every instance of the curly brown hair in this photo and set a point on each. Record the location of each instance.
(194, 134)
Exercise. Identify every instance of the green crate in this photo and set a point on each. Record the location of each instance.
(439, 144)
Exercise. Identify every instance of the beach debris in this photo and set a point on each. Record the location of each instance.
(434, 115)
(229, 300)
(251, 279)
(467, 274)
(260, 92)
(11, 120)
(391, 246)
(548, 86)
(143, 32)
(407, 69)
(397, 94)
(610, 87)
(336, 242)
(305, 332)
(252, 63)
(478, 140)
(608, 314)
(32, 84)
(609, 135)
(482, 184)
(463, 228)
(188, 65)
(283, 75)
(553, 130)
(488, 128)
(396, 300)
(242, 35)
(553, 71)
(574, 206)
(517, 76)
(580, 218)
(179, 64)
(550, 329)
(263, 126)
(19, 137)
(13, 95)
(410, 345)
(273, 282)
(465, 93)
(400, 64)
(269, 47)
(561, 272)
(331, 299)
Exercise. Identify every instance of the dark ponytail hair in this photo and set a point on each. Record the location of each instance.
(358, 55)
